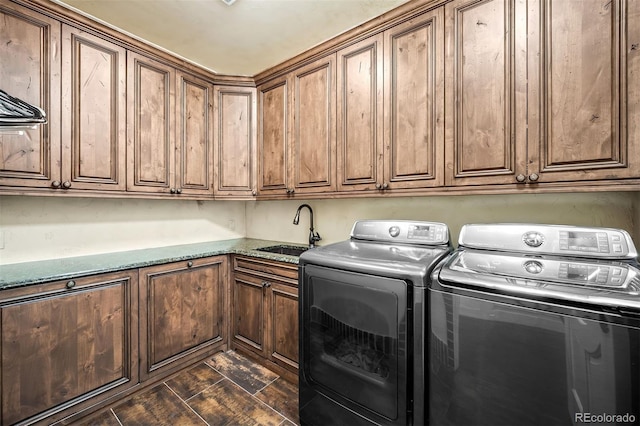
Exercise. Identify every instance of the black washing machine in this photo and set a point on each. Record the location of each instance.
(362, 324)
(535, 325)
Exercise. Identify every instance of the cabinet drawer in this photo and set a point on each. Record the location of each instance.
(286, 272)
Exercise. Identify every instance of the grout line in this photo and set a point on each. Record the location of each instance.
(185, 403)
(116, 416)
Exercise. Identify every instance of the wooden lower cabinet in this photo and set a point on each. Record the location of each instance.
(67, 346)
(182, 314)
(264, 311)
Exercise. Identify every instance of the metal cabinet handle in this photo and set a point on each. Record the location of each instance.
(189, 264)
(56, 184)
(290, 191)
(179, 191)
(265, 284)
(533, 177)
(66, 184)
(172, 190)
(71, 284)
(521, 178)
(385, 186)
(378, 186)
(254, 192)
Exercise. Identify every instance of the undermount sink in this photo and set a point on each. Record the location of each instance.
(283, 249)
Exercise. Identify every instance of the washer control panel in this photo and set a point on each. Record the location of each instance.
(401, 231)
(603, 274)
(595, 243)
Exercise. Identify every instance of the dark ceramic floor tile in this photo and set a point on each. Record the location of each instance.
(225, 403)
(193, 381)
(107, 418)
(282, 396)
(157, 406)
(250, 376)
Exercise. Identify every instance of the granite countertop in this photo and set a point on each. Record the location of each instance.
(26, 273)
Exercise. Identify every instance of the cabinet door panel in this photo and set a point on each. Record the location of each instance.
(284, 325)
(94, 112)
(249, 316)
(235, 141)
(360, 115)
(414, 102)
(314, 126)
(273, 137)
(65, 345)
(183, 310)
(585, 90)
(194, 168)
(480, 63)
(32, 42)
(151, 141)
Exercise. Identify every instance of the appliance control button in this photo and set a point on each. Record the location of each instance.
(533, 239)
(394, 231)
(533, 266)
(617, 271)
(617, 248)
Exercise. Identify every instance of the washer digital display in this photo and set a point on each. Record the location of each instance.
(583, 239)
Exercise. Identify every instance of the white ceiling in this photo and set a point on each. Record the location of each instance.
(242, 39)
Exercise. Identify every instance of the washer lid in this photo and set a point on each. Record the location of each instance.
(606, 283)
(402, 261)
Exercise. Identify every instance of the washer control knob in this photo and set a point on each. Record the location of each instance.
(394, 231)
(533, 266)
(533, 239)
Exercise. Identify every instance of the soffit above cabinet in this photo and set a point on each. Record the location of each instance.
(243, 38)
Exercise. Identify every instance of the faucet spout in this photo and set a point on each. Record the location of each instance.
(314, 237)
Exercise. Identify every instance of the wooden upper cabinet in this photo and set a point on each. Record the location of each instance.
(313, 138)
(485, 81)
(194, 141)
(585, 115)
(414, 103)
(151, 125)
(93, 112)
(273, 137)
(360, 115)
(235, 141)
(30, 70)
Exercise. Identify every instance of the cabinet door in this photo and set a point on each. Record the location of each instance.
(360, 115)
(273, 138)
(181, 313)
(150, 125)
(235, 141)
(93, 112)
(284, 325)
(249, 313)
(194, 150)
(30, 52)
(314, 126)
(587, 108)
(66, 342)
(414, 103)
(486, 82)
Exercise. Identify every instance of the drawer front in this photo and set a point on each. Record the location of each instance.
(286, 272)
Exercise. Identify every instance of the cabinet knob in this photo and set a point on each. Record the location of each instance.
(385, 186)
(56, 184)
(521, 178)
(533, 177)
(290, 191)
(66, 184)
(254, 192)
(378, 186)
(189, 264)
(265, 284)
(172, 190)
(179, 191)
(71, 284)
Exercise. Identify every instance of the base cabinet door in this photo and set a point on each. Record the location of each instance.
(265, 312)
(181, 314)
(67, 346)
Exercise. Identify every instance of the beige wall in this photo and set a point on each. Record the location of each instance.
(334, 218)
(36, 228)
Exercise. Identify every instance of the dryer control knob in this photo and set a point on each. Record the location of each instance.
(394, 231)
(533, 267)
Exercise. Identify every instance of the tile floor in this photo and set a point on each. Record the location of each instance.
(227, 389)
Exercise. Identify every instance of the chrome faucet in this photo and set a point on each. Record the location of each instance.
(314, 237)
